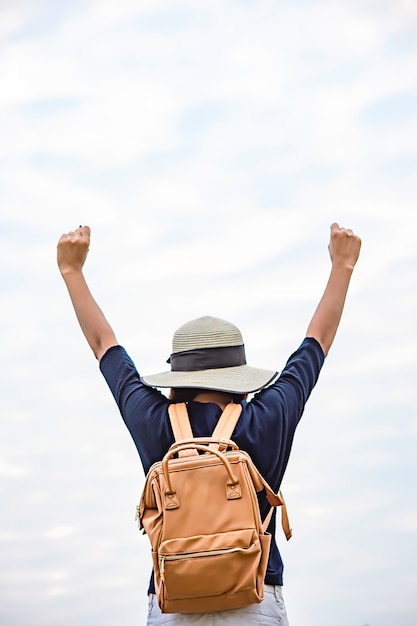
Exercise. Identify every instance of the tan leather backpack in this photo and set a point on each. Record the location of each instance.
(200, 511)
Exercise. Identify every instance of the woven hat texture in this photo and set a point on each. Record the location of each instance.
(219, 344)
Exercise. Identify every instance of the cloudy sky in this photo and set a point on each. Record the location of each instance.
(209, 145)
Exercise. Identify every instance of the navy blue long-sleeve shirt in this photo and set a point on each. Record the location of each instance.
(265, 428)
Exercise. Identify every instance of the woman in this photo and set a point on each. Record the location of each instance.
(208, 371)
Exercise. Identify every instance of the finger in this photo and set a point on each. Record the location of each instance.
(83, 231)
(62, 238)
(346, 232)
(336, 229)
(71, 236)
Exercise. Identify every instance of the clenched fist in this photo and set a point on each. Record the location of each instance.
(344, 246)
(73, 250)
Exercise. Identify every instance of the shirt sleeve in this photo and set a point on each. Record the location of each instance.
(144, 409)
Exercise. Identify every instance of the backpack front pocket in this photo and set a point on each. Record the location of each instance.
(209, 565)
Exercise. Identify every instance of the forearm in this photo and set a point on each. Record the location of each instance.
(94, 325)
(325, 321)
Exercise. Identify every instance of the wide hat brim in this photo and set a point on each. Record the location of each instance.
(237, 379)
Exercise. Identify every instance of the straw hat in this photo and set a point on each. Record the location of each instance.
(208, 353)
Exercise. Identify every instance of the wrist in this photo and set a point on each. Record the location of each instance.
(69, 270)
(343, 265)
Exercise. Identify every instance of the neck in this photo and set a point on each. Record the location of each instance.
(218, 397)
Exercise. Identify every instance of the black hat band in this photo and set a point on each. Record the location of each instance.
(207, 358)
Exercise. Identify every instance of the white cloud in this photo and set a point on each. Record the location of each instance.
(60, 532)
(8, 469)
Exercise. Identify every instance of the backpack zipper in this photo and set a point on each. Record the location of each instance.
(194, 555)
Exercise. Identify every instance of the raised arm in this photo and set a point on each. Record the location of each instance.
(344, 248)
(71, 255)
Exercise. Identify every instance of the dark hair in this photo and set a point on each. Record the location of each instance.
(187, 394)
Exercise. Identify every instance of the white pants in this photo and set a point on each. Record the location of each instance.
(271, 612)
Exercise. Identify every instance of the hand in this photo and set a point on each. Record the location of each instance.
(73, 250)
(344, 246)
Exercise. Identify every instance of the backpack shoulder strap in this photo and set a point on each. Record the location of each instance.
(227, 423)
(181, 427)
